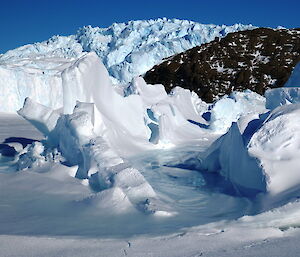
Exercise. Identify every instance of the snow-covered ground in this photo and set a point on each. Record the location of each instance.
(234, 242)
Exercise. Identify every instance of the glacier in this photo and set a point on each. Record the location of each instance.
(98, 131)
(133, 162)
(121, 161)
(127, 50)
(100, 127)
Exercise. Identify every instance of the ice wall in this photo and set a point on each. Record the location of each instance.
(18, 81)
(229, 156)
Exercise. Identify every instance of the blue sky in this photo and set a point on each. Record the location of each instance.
(29, 21)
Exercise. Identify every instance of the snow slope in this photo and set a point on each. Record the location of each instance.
(126, 49)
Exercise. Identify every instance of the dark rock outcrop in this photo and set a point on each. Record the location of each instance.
(254, 59)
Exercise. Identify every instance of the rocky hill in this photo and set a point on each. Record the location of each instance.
(254, 59)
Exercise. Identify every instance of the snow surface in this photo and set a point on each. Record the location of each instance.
(127, 50)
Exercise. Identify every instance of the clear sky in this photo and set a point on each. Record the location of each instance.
(29, 21)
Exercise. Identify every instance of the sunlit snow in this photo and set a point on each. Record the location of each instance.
(138, 170)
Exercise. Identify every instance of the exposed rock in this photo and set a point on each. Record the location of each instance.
(256, 59)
